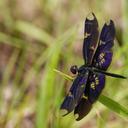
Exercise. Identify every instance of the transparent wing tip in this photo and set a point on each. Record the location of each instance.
(91, 16)
(63, 112)
(76, 116)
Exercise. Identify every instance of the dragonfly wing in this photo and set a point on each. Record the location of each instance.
(83, 108)
(92, 91)
(91, 34)
(75, 93)
(96, 83)
(103, 54)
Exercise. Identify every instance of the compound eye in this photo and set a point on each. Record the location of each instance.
(74, 69)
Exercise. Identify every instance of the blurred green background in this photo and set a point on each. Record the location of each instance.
(37, 36)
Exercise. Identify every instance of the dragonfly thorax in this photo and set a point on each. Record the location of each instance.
(81, 70)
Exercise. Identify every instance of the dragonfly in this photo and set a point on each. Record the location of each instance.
(90, 77)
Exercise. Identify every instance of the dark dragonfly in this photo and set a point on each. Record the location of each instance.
(90, 80)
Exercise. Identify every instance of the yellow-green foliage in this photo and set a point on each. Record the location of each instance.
(38, 36)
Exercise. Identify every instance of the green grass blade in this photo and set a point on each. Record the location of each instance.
(12, 41)
(34, 31)
(16, 42)
(113, 105)
(46, 91)
(9, 68)
(67, 77)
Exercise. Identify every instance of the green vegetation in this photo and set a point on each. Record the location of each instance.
(38, 37)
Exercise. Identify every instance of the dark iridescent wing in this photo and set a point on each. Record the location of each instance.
(82, 109)
(92, 91)
(91, 34)
(96, 83)
(75, 93)
(103, 55)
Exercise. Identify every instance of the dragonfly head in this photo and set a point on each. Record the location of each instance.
(74, 69)
(84, 68)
